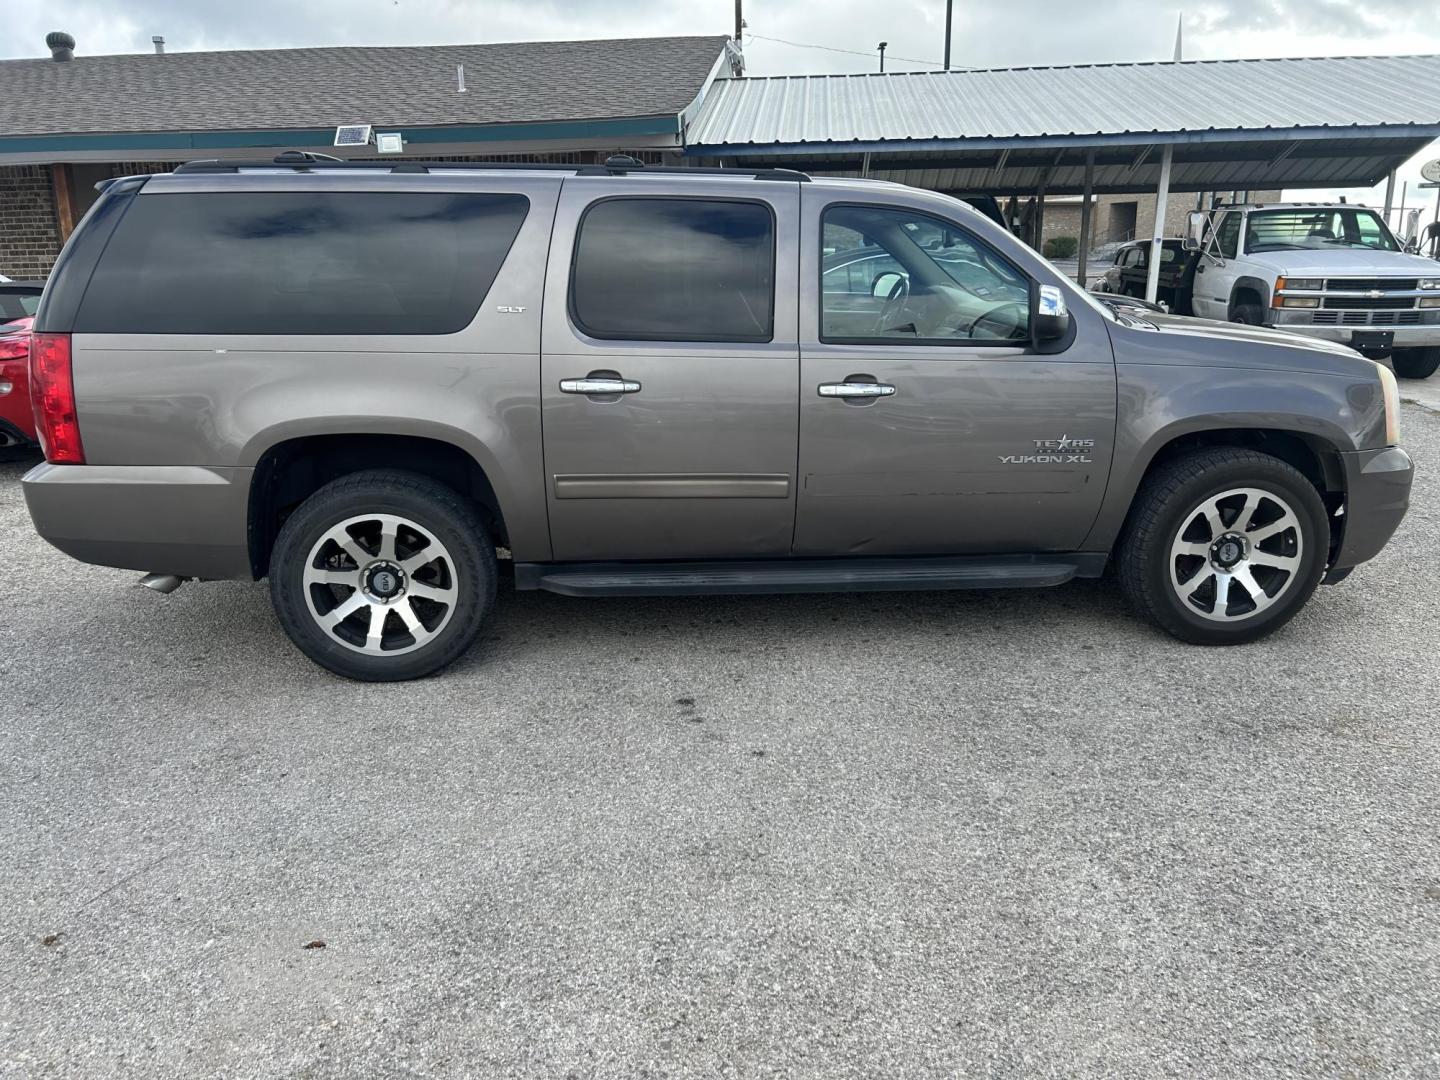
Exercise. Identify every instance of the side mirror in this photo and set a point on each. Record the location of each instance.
(1195, 224)
(1050, 321)
(1411, 235)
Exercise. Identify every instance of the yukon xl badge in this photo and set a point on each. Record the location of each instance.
(1061, 451)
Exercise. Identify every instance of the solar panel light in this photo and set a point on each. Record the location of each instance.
(389, 142)
(352, 135)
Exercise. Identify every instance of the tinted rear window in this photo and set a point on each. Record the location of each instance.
(300, 263)
(16, 305)
(675, 270)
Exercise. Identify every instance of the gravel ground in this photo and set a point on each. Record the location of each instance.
(1010, 835)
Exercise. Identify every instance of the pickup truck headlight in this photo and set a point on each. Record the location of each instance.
(1430, 301)
(1299, 301)
(1313, 284)
(1429, 283)
(1392, 405)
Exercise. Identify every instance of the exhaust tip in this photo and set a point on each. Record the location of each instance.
(162, 583)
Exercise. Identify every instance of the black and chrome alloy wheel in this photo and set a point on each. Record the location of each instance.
(1236, 554)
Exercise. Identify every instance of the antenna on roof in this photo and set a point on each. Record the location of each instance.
(1180, 36)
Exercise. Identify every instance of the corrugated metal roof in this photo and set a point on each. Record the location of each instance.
(1094, 100)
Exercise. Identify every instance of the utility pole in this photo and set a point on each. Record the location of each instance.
(949, 20)
(881, 47)
(739, 20)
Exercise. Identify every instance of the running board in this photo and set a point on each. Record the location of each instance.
(807, 575)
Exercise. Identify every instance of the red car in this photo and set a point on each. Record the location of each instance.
(17, 423)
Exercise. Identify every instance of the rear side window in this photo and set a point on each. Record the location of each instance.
(675, 270)
(274, 262)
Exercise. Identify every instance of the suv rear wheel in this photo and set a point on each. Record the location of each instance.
(1415, 363)
(383, 575)
(1224, 546)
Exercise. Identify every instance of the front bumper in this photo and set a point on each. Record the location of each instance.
(1377, 487)
(182, 520)
(1406, 337)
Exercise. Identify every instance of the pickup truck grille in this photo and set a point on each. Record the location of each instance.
(1351, 284)
(1366, 318)
(1351, 303)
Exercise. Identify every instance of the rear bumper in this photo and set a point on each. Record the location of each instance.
(183, 520)
(1377, 486)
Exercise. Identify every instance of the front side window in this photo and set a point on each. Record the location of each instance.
(1228, 235)
(899, 276)
(659, 269)
(283, 262)
(1320, 227)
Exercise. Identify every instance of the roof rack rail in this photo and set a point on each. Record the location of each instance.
(615, 165)
(624, 164)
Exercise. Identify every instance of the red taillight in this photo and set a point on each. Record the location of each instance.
(52, 394)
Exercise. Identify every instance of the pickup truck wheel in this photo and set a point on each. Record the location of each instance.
(383, 575)
(1249, 314)
(1224, 546)
(1415, 363)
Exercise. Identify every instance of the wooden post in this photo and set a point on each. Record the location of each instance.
(64, 201)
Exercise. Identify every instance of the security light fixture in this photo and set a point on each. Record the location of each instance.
(389, 142)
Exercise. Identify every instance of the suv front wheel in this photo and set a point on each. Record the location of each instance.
(1224, 546)
(383, 575)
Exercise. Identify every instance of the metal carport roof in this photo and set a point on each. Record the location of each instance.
(1331, 121)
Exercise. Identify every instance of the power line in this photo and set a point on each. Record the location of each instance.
(849, 52)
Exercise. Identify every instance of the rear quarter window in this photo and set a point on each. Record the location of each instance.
(301, 263)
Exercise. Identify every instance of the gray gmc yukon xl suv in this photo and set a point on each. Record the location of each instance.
(360, 379)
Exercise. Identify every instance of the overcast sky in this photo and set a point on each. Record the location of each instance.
(993, 34)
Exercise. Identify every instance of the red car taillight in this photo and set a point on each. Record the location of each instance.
(52, 395)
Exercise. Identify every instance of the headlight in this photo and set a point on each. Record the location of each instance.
(1430, 301)
(1430, 283)
(1392, 405)
(1314, 284)
(1299, 301)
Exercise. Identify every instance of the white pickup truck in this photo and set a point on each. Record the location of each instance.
(1326, 270)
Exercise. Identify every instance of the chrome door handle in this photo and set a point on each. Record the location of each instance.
(856, 390)
(599, 386)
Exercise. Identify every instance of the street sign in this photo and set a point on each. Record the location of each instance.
(1431, 171)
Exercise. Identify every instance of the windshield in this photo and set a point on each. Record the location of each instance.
(1319, 227)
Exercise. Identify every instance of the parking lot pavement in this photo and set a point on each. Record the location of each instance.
(1422, 392)
(991, 834)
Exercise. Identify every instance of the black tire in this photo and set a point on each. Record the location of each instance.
(1168, 502)
(1250, 314)
(1415, 363)
(468, 573)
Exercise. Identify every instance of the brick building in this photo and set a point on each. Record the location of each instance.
(1118, 218)
(68, 121)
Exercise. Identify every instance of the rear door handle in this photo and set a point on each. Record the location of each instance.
(599, 386)
(856, 390)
